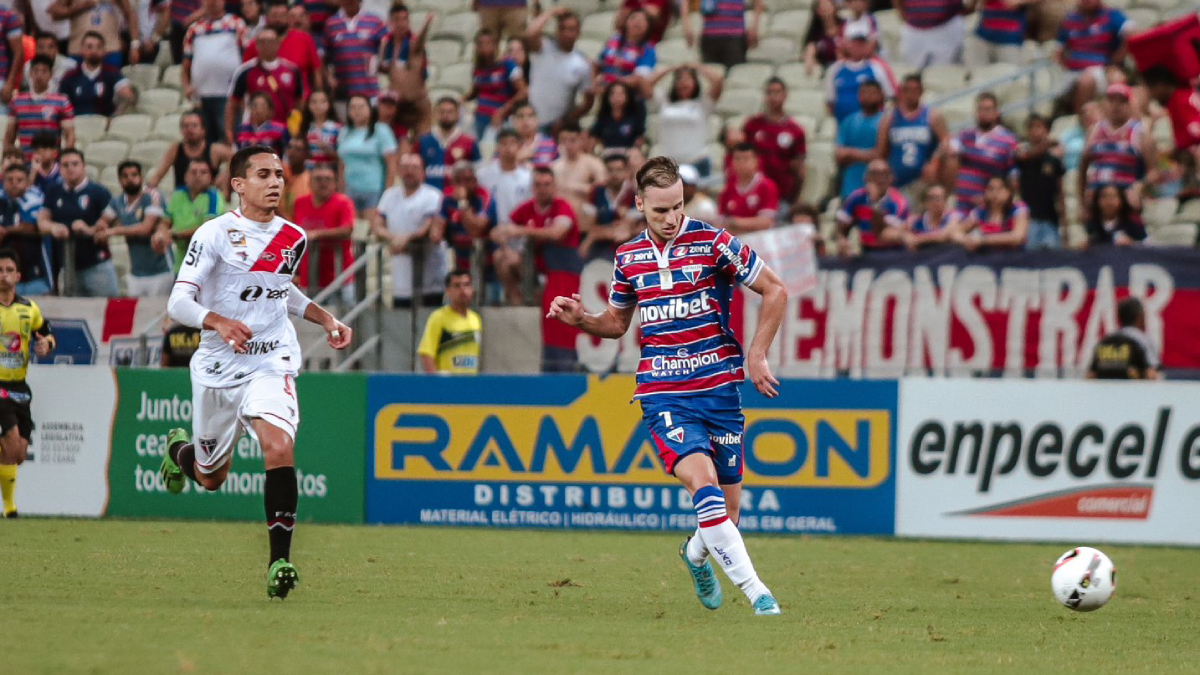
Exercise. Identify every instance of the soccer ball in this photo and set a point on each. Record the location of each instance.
(1084, 579)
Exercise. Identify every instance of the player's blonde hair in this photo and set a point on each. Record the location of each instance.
(659, 172)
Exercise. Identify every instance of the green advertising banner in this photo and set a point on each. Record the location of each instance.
(330, 451)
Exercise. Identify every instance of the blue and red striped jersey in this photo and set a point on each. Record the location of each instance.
(930, 13)
(683, 291)
(620, 59)
(1116, 154)
(1092, 40)
(727, 18)
(981, 155)
(10, 25)
(494, 85)
(182, 9)
(1001, 24)
(39, 114)
(353, 46)
(858, 211)
(270, 133)
(989, 225)
(440, 156)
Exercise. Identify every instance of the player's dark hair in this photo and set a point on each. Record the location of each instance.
(870, 83)
(570, 127)
(129, 163)
(914, 78)
(240, 164)
(43, 35)
(451, 100)
(19, 166)
(507, 133)
(372, 120)
(452, 274)
(94, 34)
(44, 142)
(71, 151)
(672, 94)
(205, 162)
(263, 96)
(659, 172)
(775, 80)
(1035, 118)
(1129, 312)
(1160, 74)
(543, 170)
(988, 96)
(744, 146)
(325, 166)
(616, 156)
(42, 60)
(9, 254)
(396, 8)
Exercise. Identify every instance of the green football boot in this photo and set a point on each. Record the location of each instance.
(281, 579)
(172, 475)
(708, 588)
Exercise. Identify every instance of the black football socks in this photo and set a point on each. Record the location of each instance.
(280, 497)
(184, 455)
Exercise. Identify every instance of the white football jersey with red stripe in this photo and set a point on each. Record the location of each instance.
(243, 270)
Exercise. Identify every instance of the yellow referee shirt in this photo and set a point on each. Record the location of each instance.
(19, 322)
(452, 341)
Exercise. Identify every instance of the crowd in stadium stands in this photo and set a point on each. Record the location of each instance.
(524, 140)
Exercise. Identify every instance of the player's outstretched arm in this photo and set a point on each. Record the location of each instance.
(774, 304)
(337, 333)
(611, 323)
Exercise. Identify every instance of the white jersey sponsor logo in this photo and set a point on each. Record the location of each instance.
(676, 308)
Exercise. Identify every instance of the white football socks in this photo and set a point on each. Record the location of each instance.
(724, 542)
(697, 552)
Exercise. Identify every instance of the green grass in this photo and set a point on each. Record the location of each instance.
(139, 597)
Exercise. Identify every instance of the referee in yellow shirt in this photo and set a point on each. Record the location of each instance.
(453, 333)
(21, 324)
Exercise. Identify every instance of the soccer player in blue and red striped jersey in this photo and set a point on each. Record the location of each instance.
(1091, 39)
(679, 275)
(980, 153)
(352, 40)
(39, 111)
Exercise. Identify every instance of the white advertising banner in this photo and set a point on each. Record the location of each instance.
(1079, 461)
(66, 473)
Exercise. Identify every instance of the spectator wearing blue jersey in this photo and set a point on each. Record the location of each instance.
(911, 136)
(858, 137)
(1092, 39)
(845, 76)
(20, 204)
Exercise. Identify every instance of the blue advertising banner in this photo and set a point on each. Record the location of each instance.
(573, 452)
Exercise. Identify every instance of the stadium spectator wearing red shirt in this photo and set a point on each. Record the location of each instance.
(445, 145)
(319, 12)
(1091, 39)
(877, 210)
(551, 224)
(779, 141)
(328, 217)
(724, 37)
(978, 154)
(39, 111)
(295, 47)
(750, 200)
(1182, 102)
(268, 74)
(352, 40)
(933, 31)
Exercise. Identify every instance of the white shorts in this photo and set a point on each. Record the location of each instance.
(937, 46)
(220, 416)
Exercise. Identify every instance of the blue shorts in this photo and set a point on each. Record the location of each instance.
(685, 425)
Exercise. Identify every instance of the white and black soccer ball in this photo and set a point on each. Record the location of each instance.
(1084, 579)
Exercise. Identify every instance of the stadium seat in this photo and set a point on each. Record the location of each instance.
(791, 23)
(827, 130)
(598, 26)
(748, 76)
(166, 128)
(807, 104)
(1164, 135)
(1077, 236)
(738, 102)
(109, 178)
(158, 102)
(130, 128)
(93, 173)
(1175, 234)
(462, 26)
(675, 30)
(105, 152)
(889, 21)
(1190, 212)
(142, 76)
(670, 52)
(443, 52)
(89, 128)
(167, 185)
(944, 79)
(796, 76)
(171, 77)
(149, 152)
(775, 50)
(456, 76)
(1143, 17)
(592, 48)
(581, 7)
(1159, 212)
(1062, 125)
(959, 113)
(780, 5)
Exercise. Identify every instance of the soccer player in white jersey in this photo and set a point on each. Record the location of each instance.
(679, 276)
(236, 284)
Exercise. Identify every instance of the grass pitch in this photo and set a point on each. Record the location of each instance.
(139, 597)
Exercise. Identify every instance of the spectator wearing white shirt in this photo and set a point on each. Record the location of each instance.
(560, 81)
(212, 54)
(684, 111)
(404, 219)
(505, 178)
